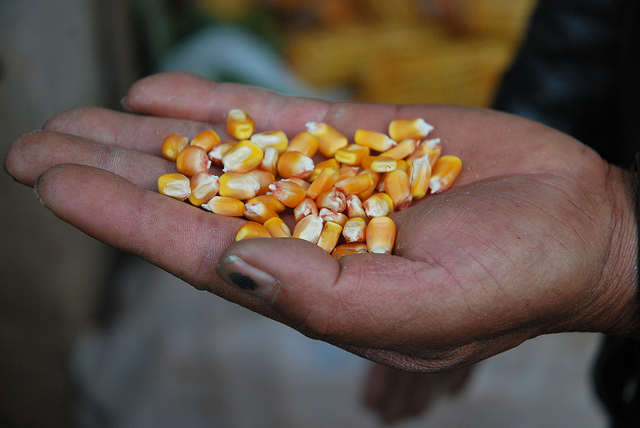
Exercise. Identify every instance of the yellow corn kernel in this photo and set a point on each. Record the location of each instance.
(379, 163)
(346, 249)
(375, 178)
(258, 212)
(304, 143)
(354, 207)
(277, 228)
(347, 171)
(306, 207)
(172, 145)
(403, 165)
(445, 171)
(378, 205)
(222, 205)
(243, 157)
(431, 148)
(270, 160)
(332, 199)
(252, 230)
(264, 178)
(276, 139)
(206, 139)
(374, 140)
(355, 230)
(328, 215)
(238, 185)
(309, 228)
(239, 124)
(323, 182)
(381, 235)
(298, 181)
(327, 163)
(191, 160)
(270, 201)
(329, 236)
(398, 186)
(204, 186)
(403, 149)
(408, 127)
(219, 150)
(175, 186)
(420, 177)
(288, 192)
(353, 185)
(329, 139)
(351, 154)
(295, 164)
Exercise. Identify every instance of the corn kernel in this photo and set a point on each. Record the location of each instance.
(430, 148)
(239, 124)
(276, 139)
(354, 185)
(378, 205)
(309, 228)
(332, 199)
(238, 185)
(328, 163)
(351, 154)
(329, 139)
(323, 182)
(304, 143)
(329, 236)
(277, 228)
(413, 128)
(445, 171)
(270, 201)
(329, 215)
(355, 230)
(374, 140)
(204, 186)
(381, 235)
(222, 205)
(346, 249)
(175, 186)
(401, 150)
(264, 179)
(306, 207)
(243, 157)
(191, 160)
(347, 171)
(354, 207)
(219, 150)
(288, 192)
(270, 160)
(398, 186)
(375, 179)
(295, 164)
(258, 212)
(206, 139)
(252, 230)
(420, 177)
(379, 163)
(172, 145)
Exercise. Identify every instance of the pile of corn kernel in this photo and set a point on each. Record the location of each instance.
(342, 203)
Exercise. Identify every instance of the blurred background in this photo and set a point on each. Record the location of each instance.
(93, 337)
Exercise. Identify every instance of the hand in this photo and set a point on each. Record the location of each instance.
(536, 236)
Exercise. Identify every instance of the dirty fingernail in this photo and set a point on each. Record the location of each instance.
(237, 272)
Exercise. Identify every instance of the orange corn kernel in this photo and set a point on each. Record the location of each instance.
(309, 228)
(323, 182)
(378, 205)
(277, 228)
(304, 143)
(238, 185)
(346, 249)
(329, 139)
(401, 150)
(206, 139)
(375, 178)
(381, 235)
(354, 207)
(328, 215)
(191, 160)
(276, 139)
(288, 192)
(329, 236)
(420, 176)
(347, 171)
(239, 124)
(222, 205)
(295, 164)
(204, 186)
(175, 186)
(430, 148)
(306, 207)
(355, 230)
(351, 154)
(243, 157)
(379, 163)
(270, 201)
(219, 150)
(172, 145)
(332, 199)
(327, 163)
(270, 160)
(353, 185)
(258, 212)
(398, 186)
(445, 171)
(374, 140)
(413, 128)
(252, 230)
(264, 178)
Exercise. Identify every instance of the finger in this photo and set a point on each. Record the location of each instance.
(125, 130)
(34, 153)
(179, 238)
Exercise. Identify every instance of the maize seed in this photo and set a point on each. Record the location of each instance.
(270, 160)
(277, 228)
(354, 185)
(346, 249)
(295, 164)
(204, 186)
(264, 179)
(306, 207)
(276, 139)
(329, 215)
(243, 157)
(378, 205)
(222, 205)
(352, 154)
(381, 235)
(219, 150)
(239, 124)
(174, 185)
(420, 177)
(252, 230)
(413, 128)
(172, 145)
(329, 236)
(445, 171)
(374, 140)
(355, 230)
(206, 139)
(288, 192)
(270, 201)
(304, 143)
(379, 163)
(330, 140)
(431, 148)
(398, 187)
(309, 228)
(332, 199)
(323, 182)
(354, 207)
(258, 212)
(191, 160)
(401, 150)
(238, 185)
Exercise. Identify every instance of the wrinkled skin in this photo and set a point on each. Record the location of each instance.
(537, 235)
